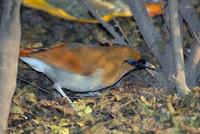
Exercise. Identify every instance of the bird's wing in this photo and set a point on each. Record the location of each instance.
(61, 56)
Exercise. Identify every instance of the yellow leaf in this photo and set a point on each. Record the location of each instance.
(30, 97)
(43, 5)
(107, 9)
(82, 106)
(144, 100)
(170, 107)
(59, 130)
(16, 110)
(63, 122)
(85, 110)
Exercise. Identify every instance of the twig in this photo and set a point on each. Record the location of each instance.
(28, 82)
(195, 35)
(122, 32)
(128, 102)
(191, 17)
(118, 39)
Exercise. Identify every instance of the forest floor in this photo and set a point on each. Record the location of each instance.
(138, 106)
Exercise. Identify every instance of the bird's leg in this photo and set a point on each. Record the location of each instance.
(59, 89)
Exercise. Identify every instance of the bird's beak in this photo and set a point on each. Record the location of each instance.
(141, 64)
(149, 66)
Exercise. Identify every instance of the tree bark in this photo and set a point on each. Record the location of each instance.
(154, 42)
(180, 81)
(10, 33)
(192, 67)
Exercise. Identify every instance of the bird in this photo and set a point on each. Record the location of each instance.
(83, 68)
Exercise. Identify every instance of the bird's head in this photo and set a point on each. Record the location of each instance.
(133, 57)
(140, 64)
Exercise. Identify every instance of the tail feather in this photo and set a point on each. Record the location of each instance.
(26, 51)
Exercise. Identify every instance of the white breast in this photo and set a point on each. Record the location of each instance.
(68, 80)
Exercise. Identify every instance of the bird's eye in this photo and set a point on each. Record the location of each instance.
(131, 62)
(140, 64)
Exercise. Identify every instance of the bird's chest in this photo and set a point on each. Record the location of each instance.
(76, 82)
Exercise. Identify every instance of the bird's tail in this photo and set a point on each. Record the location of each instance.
(26, 51)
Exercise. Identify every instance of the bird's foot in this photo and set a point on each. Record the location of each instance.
(59, 89)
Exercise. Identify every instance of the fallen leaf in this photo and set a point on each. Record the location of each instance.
(16, 110)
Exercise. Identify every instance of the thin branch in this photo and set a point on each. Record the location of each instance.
(28, 82)
(188, 13)
(118, 39)
(121, 31)
(195, 35)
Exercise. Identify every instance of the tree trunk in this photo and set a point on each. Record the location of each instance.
(153, 39)
(193, 61)
(180, 81)
(10, 33)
